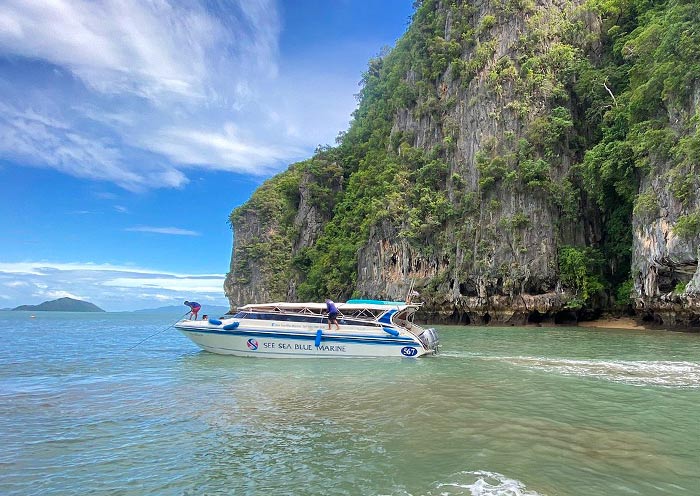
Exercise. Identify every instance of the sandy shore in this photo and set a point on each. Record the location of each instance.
(613, 323)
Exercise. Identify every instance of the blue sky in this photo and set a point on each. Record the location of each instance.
(129, 130)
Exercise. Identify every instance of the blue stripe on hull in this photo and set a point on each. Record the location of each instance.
(367, 340)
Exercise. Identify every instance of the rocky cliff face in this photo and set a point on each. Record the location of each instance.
(498, 262)
(461, 177)
(665, 258)
(282, 220)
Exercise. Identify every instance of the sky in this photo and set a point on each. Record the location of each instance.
(129, 130)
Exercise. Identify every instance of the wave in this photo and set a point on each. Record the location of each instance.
(482, 483)
(637, 373)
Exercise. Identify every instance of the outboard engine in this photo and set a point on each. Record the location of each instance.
(429, 337)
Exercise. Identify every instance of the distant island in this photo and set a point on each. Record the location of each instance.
(61, 305)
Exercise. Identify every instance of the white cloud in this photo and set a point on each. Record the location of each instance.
(224, 150)
(111, 118)
(111, 287)
(164, 230)
(122, 46)
(164, 87)
(16, 284)
(48, 142)
(58, 294)
(162, 81)
(180, 284)
(41, 267)
(156, 296)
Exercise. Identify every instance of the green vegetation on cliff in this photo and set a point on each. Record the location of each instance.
(582, 102)
(648, 66)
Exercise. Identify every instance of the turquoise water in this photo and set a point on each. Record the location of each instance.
(502, 411)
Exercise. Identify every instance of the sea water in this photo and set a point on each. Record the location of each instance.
(501, 411)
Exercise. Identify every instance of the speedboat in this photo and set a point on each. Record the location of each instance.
(368, 328)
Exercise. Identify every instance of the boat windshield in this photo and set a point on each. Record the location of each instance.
(404, 318)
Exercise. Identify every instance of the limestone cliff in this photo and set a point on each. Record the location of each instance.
(666, 239)
(498, 259)
(493, 163)
(275, 227)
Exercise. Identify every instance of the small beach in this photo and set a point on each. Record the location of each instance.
(614, 323)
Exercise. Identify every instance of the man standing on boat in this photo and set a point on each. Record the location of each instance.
(194, 309)
(332, 315)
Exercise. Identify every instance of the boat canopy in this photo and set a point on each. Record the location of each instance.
(367, 309)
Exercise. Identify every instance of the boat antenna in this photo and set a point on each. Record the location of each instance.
(156, 333)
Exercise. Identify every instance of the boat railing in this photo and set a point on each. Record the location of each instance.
(360, 313)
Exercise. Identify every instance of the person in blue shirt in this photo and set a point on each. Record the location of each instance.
(332, 314)
(194, 309)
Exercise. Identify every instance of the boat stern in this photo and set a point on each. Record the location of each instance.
(430, 339)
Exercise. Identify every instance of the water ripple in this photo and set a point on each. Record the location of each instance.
(636, 373)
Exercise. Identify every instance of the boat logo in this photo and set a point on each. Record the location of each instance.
(252, 344)
(408, 351)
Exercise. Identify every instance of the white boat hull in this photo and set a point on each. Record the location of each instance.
(300, 343)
